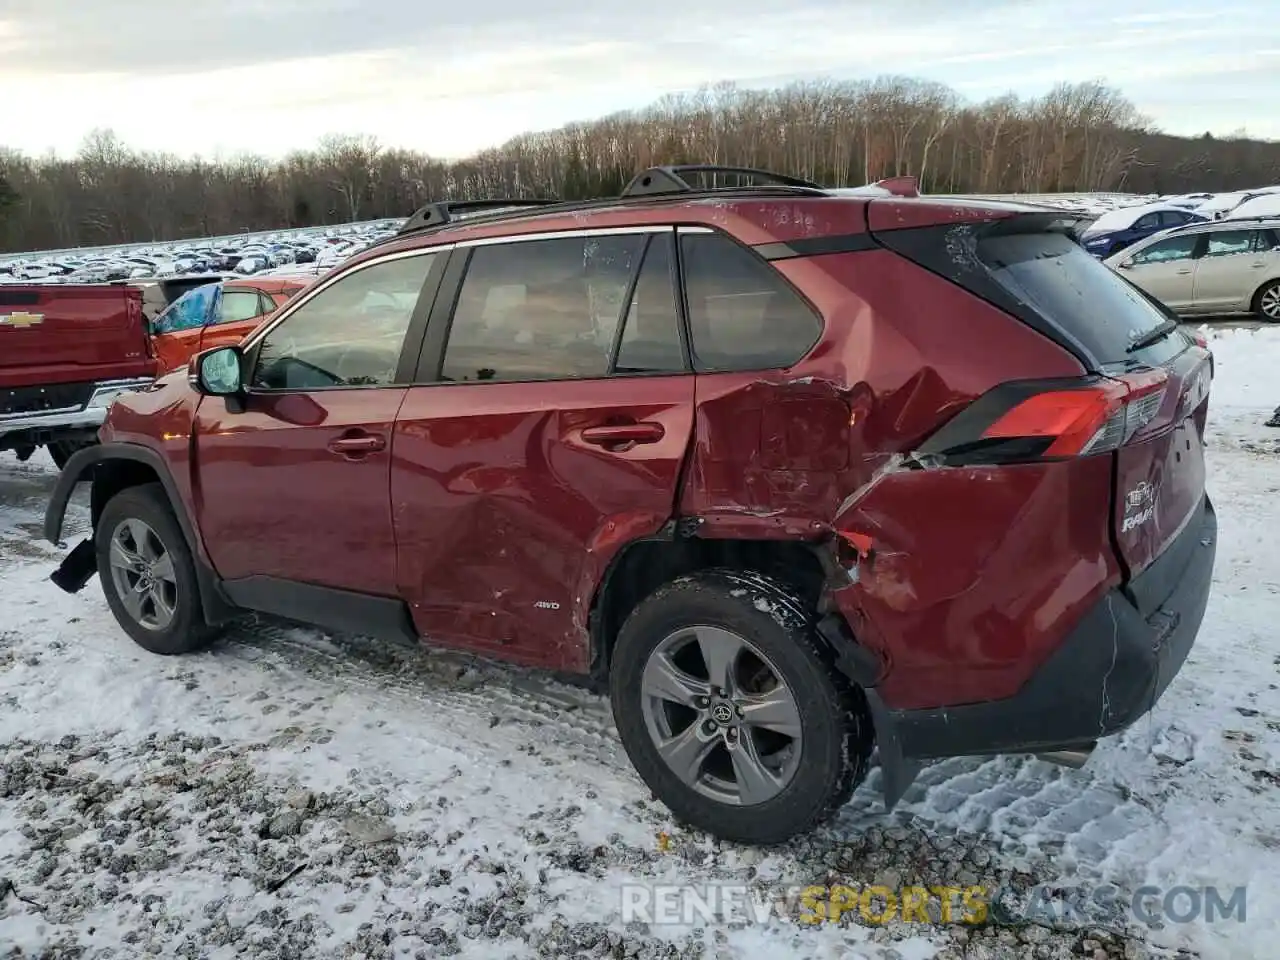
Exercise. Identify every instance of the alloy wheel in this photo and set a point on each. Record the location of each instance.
(721, 716)
(143, 574)
(1269, 303)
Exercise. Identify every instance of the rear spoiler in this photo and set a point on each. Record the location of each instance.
(900, 186)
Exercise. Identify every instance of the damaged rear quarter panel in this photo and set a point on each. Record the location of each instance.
(977, 573)
(777, 452)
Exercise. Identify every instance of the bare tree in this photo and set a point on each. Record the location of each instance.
(1076, 137)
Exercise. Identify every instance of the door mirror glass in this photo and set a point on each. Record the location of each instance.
(219, 372)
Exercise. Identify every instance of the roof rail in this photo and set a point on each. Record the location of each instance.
(444, 211)
(674, 179)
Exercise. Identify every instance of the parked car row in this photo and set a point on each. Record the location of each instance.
(1210, 268)
(254, 255)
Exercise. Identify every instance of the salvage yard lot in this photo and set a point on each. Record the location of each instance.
(291, 793)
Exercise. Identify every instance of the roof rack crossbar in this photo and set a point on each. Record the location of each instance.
(674, 179)
(443, 211)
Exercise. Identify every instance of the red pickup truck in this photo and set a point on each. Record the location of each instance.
(67, 351)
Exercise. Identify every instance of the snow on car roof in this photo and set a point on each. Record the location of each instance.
(1125, 217)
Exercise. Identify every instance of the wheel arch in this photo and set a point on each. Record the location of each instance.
(645, 564)
(113, 467)
(1255, 302)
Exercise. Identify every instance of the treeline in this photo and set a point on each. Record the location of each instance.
(1076, 138)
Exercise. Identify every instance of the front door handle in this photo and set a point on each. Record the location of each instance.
(1183, 273)
(647, 432)
(354, 446)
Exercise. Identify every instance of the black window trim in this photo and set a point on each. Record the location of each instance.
(430, 366)
(410, 348)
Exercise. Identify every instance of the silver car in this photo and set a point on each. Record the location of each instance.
(1231, 266)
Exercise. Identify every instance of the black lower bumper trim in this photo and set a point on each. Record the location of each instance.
(1106, 674)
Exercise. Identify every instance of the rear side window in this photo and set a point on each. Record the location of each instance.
(742, 314)
(1053, 275)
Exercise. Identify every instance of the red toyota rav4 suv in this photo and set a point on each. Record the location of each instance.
(801, 472)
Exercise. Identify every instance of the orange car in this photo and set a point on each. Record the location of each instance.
(216, 314)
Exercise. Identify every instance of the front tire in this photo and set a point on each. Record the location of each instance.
(1266, 302)
(732, 712)
(62, 450)
(147, 572)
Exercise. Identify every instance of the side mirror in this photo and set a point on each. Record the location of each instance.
(1125, 264)
(217, 372)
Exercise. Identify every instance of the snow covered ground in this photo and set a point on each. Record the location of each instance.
(295, 794)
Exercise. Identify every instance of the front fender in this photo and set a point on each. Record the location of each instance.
(82, 466)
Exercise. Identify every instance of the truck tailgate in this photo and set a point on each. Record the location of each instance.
(62, 334)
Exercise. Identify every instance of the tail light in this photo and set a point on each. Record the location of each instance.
(1050, 420)
(137, 318)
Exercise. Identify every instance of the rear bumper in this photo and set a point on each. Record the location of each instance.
(1107, 673)
(85, 416)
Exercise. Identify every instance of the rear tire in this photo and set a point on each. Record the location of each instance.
(147, 573)
(1266, 302)
(777, 749)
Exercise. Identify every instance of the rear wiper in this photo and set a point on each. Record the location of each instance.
(1154, 335)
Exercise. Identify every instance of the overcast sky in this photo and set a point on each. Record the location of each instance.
(451, 77)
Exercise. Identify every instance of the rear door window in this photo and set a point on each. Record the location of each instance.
(1074, 291)
(1226, 243)
(651, 333)
(541, 309)
(239, 305)
(742, 314)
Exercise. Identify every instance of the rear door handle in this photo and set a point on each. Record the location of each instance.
(353, 446)
(1183, 273)
(647, 432)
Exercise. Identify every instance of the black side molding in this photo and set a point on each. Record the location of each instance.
(381, 617)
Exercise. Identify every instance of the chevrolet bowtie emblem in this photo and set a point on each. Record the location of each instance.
(21, 319)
